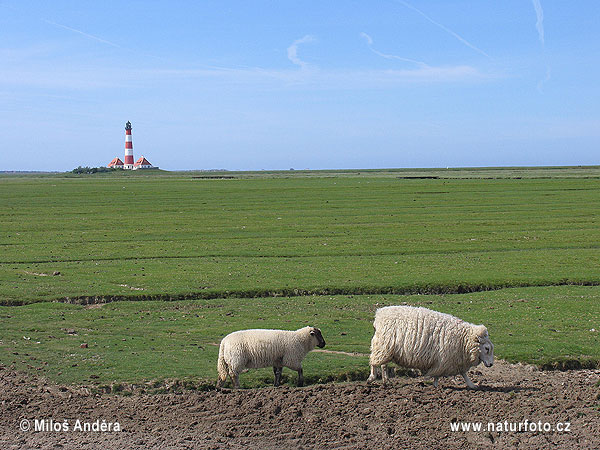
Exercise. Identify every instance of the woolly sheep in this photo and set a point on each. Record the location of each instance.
(253, 349)
(438, 344)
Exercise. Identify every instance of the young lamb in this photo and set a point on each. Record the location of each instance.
(253, 349)
(438, 344)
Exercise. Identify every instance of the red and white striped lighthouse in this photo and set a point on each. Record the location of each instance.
(128, 147)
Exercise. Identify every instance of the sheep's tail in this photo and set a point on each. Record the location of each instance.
(221, 367)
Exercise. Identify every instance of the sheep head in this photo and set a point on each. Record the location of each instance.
(316, 334)
(486, 348)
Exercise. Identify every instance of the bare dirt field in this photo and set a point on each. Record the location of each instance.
(410, 413)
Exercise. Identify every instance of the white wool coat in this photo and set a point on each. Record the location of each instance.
(252, 349)
(438, 344)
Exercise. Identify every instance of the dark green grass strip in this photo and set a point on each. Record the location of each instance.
(417, 289)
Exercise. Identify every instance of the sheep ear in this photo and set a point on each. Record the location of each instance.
(312, 332)
(481, 332)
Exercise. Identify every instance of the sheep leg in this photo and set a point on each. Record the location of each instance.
(470, 384)
(391, 372)
(373, 375)
(384, 374)
(235, 380)
(300, 377)
(277, 371)
(435, 381)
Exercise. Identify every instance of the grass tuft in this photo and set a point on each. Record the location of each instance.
(564, 364)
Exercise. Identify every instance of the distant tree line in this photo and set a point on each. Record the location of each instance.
(92, 169)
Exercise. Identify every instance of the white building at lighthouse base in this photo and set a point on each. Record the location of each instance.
(141, 163)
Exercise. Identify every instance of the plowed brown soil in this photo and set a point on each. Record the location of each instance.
(410, 413)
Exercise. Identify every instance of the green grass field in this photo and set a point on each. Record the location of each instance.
(130, 342)
(256, 250)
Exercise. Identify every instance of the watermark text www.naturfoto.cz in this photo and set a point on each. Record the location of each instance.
(515, 427)
(51, 425)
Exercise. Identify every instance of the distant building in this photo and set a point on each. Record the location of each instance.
(116, 163)
(141, 163)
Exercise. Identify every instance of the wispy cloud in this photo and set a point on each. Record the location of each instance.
(539, 12)
(443, 27)
(292, 50)
(540, 85)
(87, 35)
(367, 37)
(301, 75)
(387, 56)
(83, 33)
(331, 79)
(102, 78)
(65, 27)
(539, 25)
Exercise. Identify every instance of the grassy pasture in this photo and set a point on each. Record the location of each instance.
(131, 342)
(168, 237)
(236, 249)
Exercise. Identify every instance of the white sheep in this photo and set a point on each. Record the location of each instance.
(253, 349)
(438, 344)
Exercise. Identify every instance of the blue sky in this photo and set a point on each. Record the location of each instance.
(307, 84)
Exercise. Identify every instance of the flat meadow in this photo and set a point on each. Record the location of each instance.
(152, 270)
